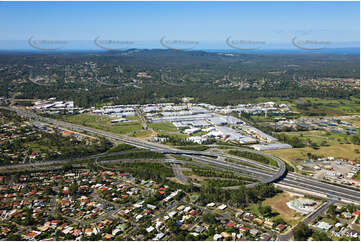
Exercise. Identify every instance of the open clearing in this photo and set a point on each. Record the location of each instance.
(278, 204)
(103, 123)
(299, 154)
(163, 126)
(173, 134)
(141, 134)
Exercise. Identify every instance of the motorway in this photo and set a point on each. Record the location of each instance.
(293, 180)
(270, 174)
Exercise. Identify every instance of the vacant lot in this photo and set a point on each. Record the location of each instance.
(300, 154)
(163, 126)
(103, 123)
(141, 134)
(173, 134)
(278, 204)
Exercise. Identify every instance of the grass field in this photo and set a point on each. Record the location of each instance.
(141, 134)
(163, 126)
(199, 133)
(278, 204)
(37, 147)
(103, 123)
(300, 154)
(175, 135)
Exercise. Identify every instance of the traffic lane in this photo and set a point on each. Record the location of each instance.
(318, 212)
(324, 187)
(235, 166)
(297, 176)
(294, 183)
(302, 178)
(311, 188)
(137, 143)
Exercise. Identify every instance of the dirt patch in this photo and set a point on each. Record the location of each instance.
(299, 154)
(173, 179)
(278, 204)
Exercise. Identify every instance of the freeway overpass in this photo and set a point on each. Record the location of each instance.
(270, 174)
(143, 144)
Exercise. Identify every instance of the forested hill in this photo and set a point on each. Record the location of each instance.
(137, 76)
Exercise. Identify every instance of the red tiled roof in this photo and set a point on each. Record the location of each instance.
(193, 212)
(31, 234)
(55, 221)
(77, 232)
(108, 236)
(281, 227)
(230, 224)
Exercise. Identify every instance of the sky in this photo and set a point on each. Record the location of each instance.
(179, 24)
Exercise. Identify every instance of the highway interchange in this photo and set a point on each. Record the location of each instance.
(280, 176)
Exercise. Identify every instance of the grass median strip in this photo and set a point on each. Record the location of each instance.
(254, 156)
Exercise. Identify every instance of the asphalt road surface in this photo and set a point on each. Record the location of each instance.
(280, 175)
(308, 220)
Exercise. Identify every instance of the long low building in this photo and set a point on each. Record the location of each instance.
(258, 133)
(186, 124)
(274, 146)
(181, 118)
(230, 135)
(197, 139)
